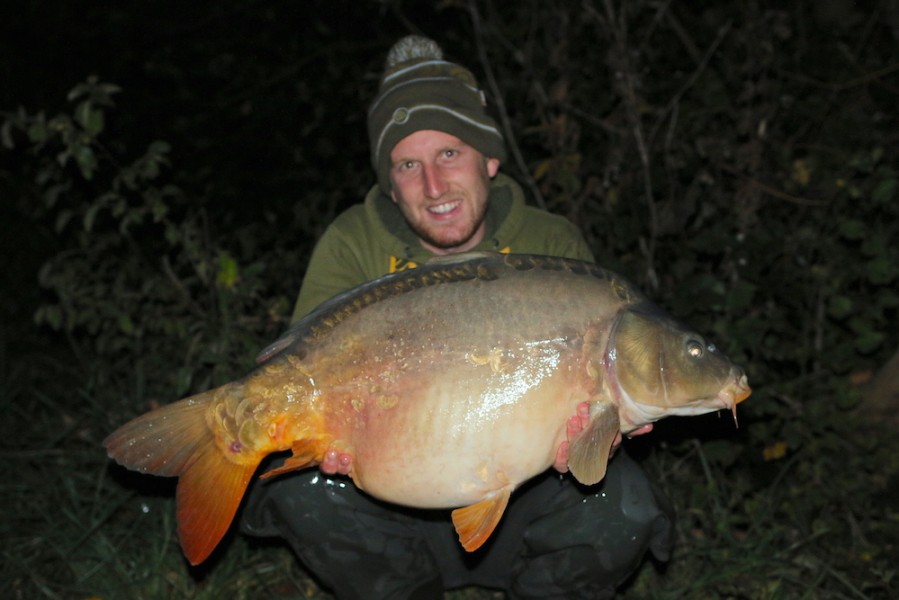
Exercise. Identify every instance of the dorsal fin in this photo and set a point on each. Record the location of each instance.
(484, 266)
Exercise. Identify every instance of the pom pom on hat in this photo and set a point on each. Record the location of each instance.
(412, 47)
(420, 90)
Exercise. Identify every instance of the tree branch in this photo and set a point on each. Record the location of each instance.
(509, 134)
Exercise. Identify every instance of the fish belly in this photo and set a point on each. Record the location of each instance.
(448, 393)
(459, 440)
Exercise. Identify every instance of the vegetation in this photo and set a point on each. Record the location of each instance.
(164, 180)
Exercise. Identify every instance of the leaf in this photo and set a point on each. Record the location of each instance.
(869, 341)
(888, 299)
(774, 451)
(108, 89)
(542, 169)
(721, 452)
(63, 157)
(740, 296)
(86, 160)
(37, 132)
(884, 191)
(6, 135)
(52, 193)
(158, 147)
(158, 209)
(126, 325)
(875, 244)
(227, 272)
(90, 118)
(49, 314)
(62, 219)
(852, 229)
(172, 234)
(76, 92)
(90, 216)
(881, 270)
(801, 172)
(839, 307)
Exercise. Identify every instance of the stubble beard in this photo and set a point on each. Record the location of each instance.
(449, 243)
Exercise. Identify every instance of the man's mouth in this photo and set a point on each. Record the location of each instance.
(442, 209)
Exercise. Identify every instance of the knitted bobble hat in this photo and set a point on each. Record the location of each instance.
(420, 90)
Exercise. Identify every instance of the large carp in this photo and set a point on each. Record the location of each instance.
(448, 386)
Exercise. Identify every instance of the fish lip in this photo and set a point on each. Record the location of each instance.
(745, 383)
(735, 393)
(736, 390)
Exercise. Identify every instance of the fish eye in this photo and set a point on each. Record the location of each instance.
(694, 348)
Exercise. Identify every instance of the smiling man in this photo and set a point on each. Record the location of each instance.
(437, 154)
(441, 186)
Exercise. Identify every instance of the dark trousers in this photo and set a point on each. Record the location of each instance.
(557, 539)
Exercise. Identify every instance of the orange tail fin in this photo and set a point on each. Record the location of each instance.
(175, 441)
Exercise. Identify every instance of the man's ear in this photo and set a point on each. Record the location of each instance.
(492, 167)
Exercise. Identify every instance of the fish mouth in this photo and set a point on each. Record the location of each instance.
(735, 393)
(635, 415)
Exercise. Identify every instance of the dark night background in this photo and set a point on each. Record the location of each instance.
(166, 168)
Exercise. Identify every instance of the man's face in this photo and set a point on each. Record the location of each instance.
(441, 185)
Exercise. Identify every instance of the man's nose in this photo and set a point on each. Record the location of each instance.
(435, 186)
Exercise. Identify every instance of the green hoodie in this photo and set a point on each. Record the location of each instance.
(372, 239)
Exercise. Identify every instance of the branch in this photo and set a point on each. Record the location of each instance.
(691, 81)
(772, 191)
(617, 26)
(501, 106)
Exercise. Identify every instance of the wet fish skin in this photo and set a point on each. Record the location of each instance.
(449, 385)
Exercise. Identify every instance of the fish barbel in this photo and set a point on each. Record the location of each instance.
(449, 385)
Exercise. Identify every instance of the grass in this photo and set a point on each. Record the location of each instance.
(818, 519)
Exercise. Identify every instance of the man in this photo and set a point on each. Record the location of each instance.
(437, 155)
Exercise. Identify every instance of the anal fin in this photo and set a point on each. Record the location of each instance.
(588, 453)
(475, 523)
(306, 453)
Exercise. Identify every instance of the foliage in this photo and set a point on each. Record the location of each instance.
(736, 160)
(140, 287)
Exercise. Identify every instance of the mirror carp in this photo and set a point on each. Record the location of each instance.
(448, 385)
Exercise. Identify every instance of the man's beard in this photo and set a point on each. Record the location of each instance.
(448, 244)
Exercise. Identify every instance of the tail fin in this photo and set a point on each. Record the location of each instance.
(176, 441)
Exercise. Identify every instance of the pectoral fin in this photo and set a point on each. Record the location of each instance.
(475, 523)
(588, 452)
